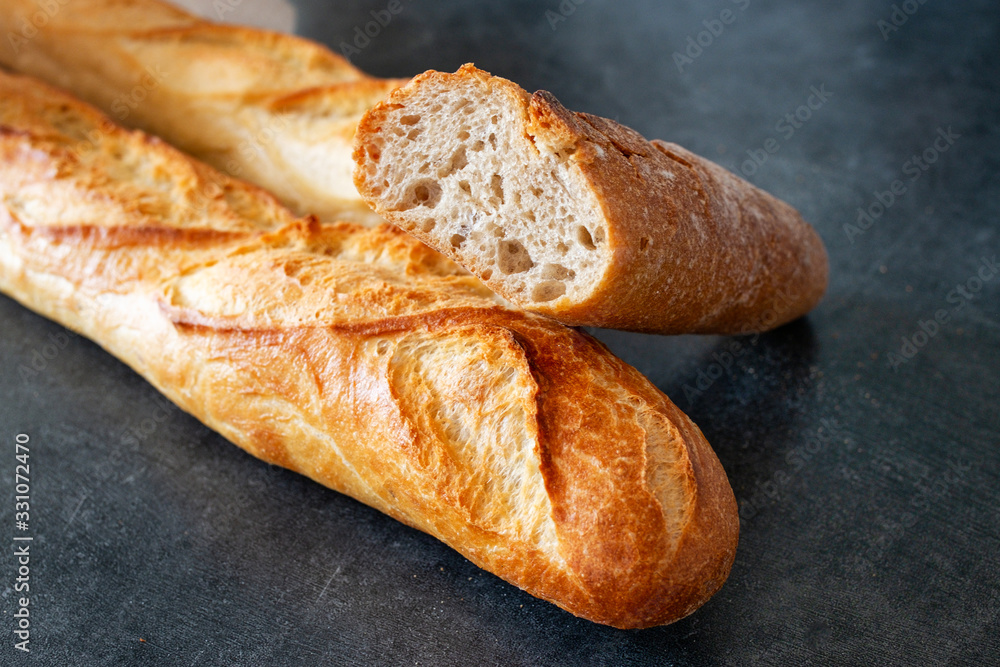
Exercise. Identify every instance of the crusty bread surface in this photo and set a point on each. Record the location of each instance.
(361, 358)
(273, 109)
(580, 218)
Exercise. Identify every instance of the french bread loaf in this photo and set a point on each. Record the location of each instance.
(366, 361)
(580, 218)
(276, 110)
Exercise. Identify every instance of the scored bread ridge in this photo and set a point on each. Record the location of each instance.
(580, 218)
(273, 109)
(368, 362)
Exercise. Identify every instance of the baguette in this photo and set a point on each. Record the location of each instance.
(272, 109)
(580, 218)
(366, 361)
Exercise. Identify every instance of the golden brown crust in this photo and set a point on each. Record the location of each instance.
(691, 247)
(371, 364)
(274, 109)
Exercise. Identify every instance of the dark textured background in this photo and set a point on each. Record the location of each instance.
(871, 529)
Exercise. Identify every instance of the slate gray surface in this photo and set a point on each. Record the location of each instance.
(869, 495)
